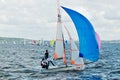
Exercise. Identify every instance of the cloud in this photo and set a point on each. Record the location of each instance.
(36, 19)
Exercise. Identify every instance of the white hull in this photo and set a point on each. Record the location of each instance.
(62, 69)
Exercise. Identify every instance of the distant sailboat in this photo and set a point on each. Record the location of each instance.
(34, 42)
(52, 42)
(39, 42)
(14, 42)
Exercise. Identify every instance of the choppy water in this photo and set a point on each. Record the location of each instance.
(22, 62)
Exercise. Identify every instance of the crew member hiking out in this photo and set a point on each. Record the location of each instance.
(44, 63)
(45, 60)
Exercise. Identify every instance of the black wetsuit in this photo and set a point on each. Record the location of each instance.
(45, 65)
(46, 55)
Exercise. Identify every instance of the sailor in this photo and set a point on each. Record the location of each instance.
(47, 58)
(46, 54)
(45, 63)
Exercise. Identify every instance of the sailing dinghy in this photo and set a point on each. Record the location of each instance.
(88, 42)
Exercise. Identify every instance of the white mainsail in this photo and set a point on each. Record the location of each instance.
(59, 47)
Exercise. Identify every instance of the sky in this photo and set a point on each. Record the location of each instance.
(37, 19)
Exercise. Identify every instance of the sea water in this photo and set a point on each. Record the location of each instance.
(22, 62)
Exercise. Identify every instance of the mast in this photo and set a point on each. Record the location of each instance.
(58, 11)
(60, 47)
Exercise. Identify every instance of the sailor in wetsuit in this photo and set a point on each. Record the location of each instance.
(45, 61)
(46, 54)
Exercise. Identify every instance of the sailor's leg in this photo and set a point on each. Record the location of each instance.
(46, 66)
(52, 63)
